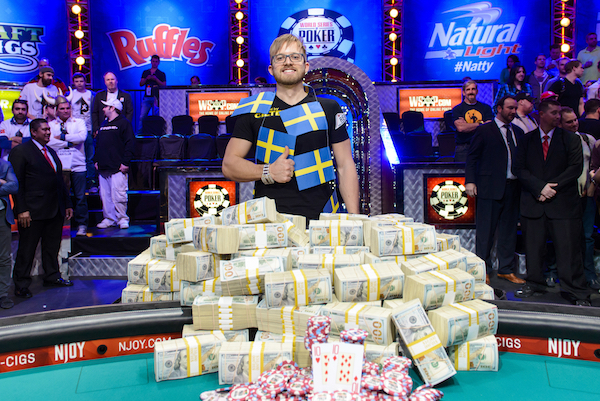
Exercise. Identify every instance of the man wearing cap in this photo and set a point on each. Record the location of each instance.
(490, 176)
(14, 130)
(524, 107)
(114, 150)
(44, 62)
(34, 92)
(112, 92)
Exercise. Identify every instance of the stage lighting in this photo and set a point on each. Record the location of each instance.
(80, 60)
(565, 22)
(564, 48)
(393, 13)
(393, 37)
(79, 34)
(239, 1)
(76, 9)
(394, 61)
(239, 63)
(239, 15)
(239, 40)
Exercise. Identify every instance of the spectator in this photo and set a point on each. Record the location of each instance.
(552, 61)
(112, 92)
(591, 123)
(44, 62)
(195, 81)
(569, 88)
(523, 119)
(589, 58)
(34, 93)
(152, 79)
(562, 62)
(14, 130)
(510, 62)
(8, 186)
(538, 78)
(516, 84)
(592, 90)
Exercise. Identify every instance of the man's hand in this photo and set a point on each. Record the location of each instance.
(24, 219)
(96, 166)
(542, 198)
(588, 64)
(69, 213)
(471, 189)
(17, 139)
(548, 190)
(123, 169)
(551, 66)
(2, 181)
(282, 169)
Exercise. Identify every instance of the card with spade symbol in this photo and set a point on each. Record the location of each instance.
(337, 366)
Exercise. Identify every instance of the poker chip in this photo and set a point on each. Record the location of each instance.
(211, 199)
(208, 395)
(239, 392)
(272, 382)
(344, 395)
(335, 41)
(317, 331)
(298, 387)
(354, 335)
(322, 396)
(449, 200)
(396, 387)
(397, 362)
(370, 368)
(371, 382)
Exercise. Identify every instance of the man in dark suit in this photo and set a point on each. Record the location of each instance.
(549, 161)
(8, 185)
(490, 177)
(41, 205)
(112, 92)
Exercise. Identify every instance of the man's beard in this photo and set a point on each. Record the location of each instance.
(46, 82)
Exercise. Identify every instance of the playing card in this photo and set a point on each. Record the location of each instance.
(337, 366)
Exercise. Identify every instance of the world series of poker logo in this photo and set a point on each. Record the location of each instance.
(323, 32)
(211, 199)
(449, 200)
(480, 39)
(19, 47)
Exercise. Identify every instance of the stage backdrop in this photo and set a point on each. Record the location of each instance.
(27, 33)
(587, 16)
(191, 39)
(338, 28)
(453, 39)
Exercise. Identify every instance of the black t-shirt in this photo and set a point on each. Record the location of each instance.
(472, 113)
(288, 198)
(152, 83)
(568, 93)
(590, 126)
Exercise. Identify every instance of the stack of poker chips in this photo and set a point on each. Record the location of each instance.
(354, 336)
(317, 331)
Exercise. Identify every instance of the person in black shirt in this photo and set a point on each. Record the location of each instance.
(591, 123)
(152, 79)
(570, 88)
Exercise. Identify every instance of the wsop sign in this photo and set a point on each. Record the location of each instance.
(447, 201)
(19, 47)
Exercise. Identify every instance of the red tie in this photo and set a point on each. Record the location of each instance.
(48, 159)
(545, 146)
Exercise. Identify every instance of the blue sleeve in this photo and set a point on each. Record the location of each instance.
(5, 143)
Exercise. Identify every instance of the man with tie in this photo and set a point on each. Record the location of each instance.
(489, 176)
(41, 205)
(549, 162)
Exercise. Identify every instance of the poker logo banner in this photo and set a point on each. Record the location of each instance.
(458, 38)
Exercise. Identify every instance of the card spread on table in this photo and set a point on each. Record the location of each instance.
(337, 366)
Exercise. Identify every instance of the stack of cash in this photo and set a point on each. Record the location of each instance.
(298, 288)
(197, 266)
(181, 230)
(160, 249)
(301, 354)
(421, 342)
(377, 302)
(447, 241)
(436, 289)
(408, 239)
(256, 236)
(369, 282)
(189, 290)
(378, 353)
(216, 239)
(137, 269)
(224, 313)
(254, 211)
(329, 261)
(187, 357)
(443, 260)
(461, 322)
(347, 250)
(395, 217)
(297, 220)
(342, 216)
(296, 229)
(289, 320)
(296, 252)
(480, 354)
(245, 275)
(468, 253)
(284, 253)
(374, 319)
(335, 232)
(141, 293)
(392, 303)
(476, 268)
(483, 291)
(244, 362)
(391, 219)
(230, 335)
(162, 276)
(373, 259)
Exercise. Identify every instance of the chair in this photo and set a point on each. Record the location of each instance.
(450, 127)
(172, 146)
(153, 126)
(146, 147)
(417, 145)
(413, 122)
(208, 125)
(393, 123)
(182, 125)
(230, 124)
(201, 146)
(141, 167)
(447, 143)
(222, 141)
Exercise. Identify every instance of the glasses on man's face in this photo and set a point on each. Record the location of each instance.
(294, 58)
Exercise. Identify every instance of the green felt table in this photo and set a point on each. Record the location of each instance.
(129, 378)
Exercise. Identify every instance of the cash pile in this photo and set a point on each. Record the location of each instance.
(298, 288)
(160, 249)
(224, 313)
(480, 354)
(197, 266)
(216, 239)
(447, 241)
(187, 357)
(230, 335)
(289, 320)
(407, 239)
(162, 276)
(476, 268)
(438, 288)
(296, 229)
(342, 216)
(462, 322)
(335, 232)
(375, 320)
(443, 260)
(301, 354)
(245, 275)
(297, 220)
(374, 221)
(137, 269)
(329, 261)
(244, 362)
(141, 293)
(296, 252)
(254, 211)
(377, 353)
(181, 230)
(284, 253)
(421, 342)
(369, 282)
(397, 259)
(346, 250)
(483, 291)
(190, 290)
(392, 303)
(256, 236)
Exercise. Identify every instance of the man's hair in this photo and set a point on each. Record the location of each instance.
(195, 76)
(571, 65)
(591, 106)
(540, 54)
(562, 58)
(468, 83)
(108, 72)
(20, 101)
(78, 75)
(545, 105)
(500, 102)
(283, 40)
(554, 46)
(589, 34)
(514, 58)
(36, 124)
(565, 110)
(155, 57)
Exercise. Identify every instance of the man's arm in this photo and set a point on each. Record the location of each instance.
(530, 182)
(78, 134)
(18, 161)
(129, 146)
(144, 78)
(237, 168)
(463, 126)
(574, 160)
(348, 178)
(10, 184)
(473, 157)
(581, 106)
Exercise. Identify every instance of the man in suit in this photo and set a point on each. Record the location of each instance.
(41, 205)
(112, 92)
(549, 162)
(489, 176)
(8, 185)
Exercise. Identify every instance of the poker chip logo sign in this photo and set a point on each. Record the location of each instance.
(449, 200)
(210, 197)
(446, 204)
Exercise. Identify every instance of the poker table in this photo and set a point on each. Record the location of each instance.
(105, 352)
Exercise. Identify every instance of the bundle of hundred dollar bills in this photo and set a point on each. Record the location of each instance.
(329, 261)
(254, 211)
(480, 354)
(290, 320)
(301, 355)
(216, 239)
(447, 241)
(406, 239)
(335, 232)
(245, 275)
(160, 249)
(256, 236)
(230, 335)
(197, 266)
(159, 275)
(241, 363)
(336, 250)
(439, 288)
(190, 290)
(181, 230)
(373, 259)
(443, 260)
(483, 291)
(342, 216)
(141, 293)
(224, 313)
(422, 343)
(285, 253)
(298, 288)
(369, 282)
(374, 319)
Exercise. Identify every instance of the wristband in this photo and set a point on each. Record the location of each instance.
(266, 175)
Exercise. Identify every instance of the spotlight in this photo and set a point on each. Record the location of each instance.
(240, 63)
(239, 1)
(564, 48)
(239, 40)
(394, 61)
(393, 13)
(565, 22)
(239, 15)
(80, 60)
(393, 37)
(76, 9)
(79, 34)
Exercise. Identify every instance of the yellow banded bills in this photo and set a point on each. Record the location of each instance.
(335, 233)
(224, 313)
(230, 335)
(190, 290)
(181, 230)
(369, 282)
(403, 239)
(480, 354)
(216, 239)
(261, 210)
(256, 236)
(244, 362)
(439, 288)
(374, 319)
(197, 266)
(298, 288)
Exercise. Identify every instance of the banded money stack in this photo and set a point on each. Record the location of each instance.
(285, 253)
(439, 288)
(161, 249)
(369, 282)
(216, 239)
(141, 293)
(197, 266)
(181, 230)
(190, 290)
(298, 288)
(244, 362)
(254, 211)
(335, 233)
(329, 261)
(224, 313)
(406, 239)
(245, 275)
(444, 260)
(288, 320)
(257, 236)
(301, 354)
(447, 241)
(480, 354)
(462, 322)
(230, 335)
